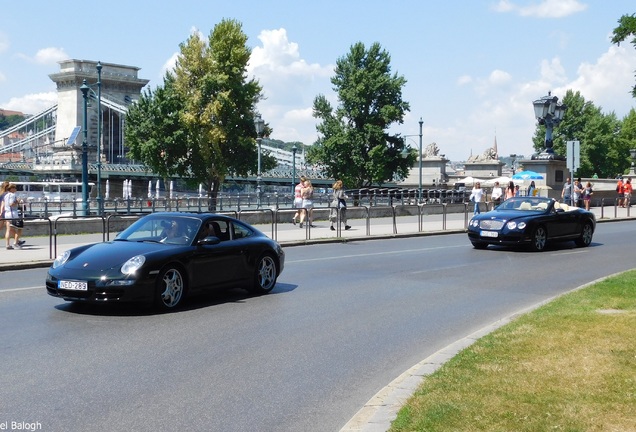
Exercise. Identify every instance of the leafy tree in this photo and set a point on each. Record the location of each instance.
(353, 143)
(200, 124)
(6, 121)
(602, 152)
(154, 132)
(626, 28)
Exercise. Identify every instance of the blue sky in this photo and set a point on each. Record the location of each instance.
(473, 66)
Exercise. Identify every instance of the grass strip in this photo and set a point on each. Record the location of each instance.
(568, 366)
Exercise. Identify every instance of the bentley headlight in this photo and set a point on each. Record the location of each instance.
(514, 225)
(133, 264)
(61, 259)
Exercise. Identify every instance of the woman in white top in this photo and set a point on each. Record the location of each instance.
(298, 199)
(476, 196)
(307, 192)
(13, 223)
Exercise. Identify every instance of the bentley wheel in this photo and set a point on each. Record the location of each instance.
(265, 275)
(479, 245)
(170, 288)
(586, 236)
(539, 239)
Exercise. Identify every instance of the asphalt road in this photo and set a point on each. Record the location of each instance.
(344, 320)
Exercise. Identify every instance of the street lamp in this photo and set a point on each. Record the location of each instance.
(293, 181)
(100, 204)
(632, 153)
(419, 190)
(548, 112)
(260, 126)
(514, 161)
(84, 88)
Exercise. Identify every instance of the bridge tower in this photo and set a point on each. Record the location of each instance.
(120, 86)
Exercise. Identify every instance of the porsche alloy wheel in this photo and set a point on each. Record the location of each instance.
(586, 236)
(539, 239)
(265, 275)
(170, 288)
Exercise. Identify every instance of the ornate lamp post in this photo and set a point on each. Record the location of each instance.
(548, 112)
(632, 153)
(84, 88)
(260, 126)
(294, 150)
(405, 152)
(100, 203)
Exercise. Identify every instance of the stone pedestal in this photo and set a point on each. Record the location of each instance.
(433, 173)
(483, 169)
(554, 173)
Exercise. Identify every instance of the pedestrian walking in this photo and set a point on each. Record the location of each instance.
(620, 192)
(496, 194)
(587, 195)
(475, 196)
(307, 194)
(298, 199)
(13, 222)
(627, 192)
(510, 190)
(338, 206)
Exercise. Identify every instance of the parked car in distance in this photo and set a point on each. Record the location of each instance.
(532, 221)
(165, 256)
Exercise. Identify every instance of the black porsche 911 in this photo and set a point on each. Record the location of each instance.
(532, 221)
(164, 256)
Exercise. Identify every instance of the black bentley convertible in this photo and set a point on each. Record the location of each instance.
(532, 221)
(164, 256)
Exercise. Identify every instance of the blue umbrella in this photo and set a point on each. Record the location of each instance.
(527, 175)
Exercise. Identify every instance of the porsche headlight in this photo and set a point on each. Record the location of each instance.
(61, 259)
(133, 264)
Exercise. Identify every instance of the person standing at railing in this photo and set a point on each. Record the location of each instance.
(298, 199)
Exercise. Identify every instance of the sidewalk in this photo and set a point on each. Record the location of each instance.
(40, 251)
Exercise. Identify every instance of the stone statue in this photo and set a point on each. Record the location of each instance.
(431, 150)
(489, 154)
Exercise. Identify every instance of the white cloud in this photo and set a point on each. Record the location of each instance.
(542, 9)
(32, 103)
(608, 82)
(289, 85)
(46, 56)
(51, 55)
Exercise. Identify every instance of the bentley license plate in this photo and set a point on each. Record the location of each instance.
(73, 285)
(489, 233)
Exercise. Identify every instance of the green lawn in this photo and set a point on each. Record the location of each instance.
(567, 366)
